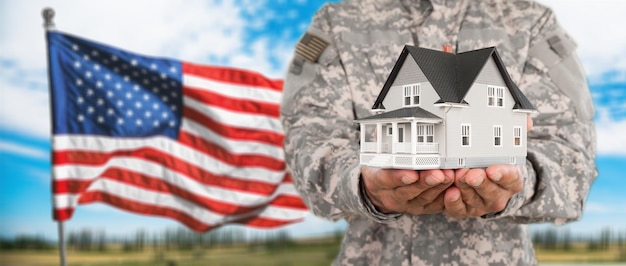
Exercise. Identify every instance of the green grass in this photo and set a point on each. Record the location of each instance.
(306, 253)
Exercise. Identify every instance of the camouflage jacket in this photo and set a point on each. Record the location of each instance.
(330, 86)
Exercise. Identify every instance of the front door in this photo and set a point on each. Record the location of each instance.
(400, 133)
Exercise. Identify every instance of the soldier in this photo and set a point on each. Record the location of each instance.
(436, 217)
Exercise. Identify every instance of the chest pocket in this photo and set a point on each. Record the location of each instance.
(368, 59)
(507, 45)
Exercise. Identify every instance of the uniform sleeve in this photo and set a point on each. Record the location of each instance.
(560, 166)
(321, 138)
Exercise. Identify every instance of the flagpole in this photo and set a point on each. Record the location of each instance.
(48, 16)
(61, 244)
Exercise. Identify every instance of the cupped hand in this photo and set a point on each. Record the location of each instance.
(477, 192)
(407, 191)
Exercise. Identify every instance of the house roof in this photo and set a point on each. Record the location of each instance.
(452, 75)
(408, 112)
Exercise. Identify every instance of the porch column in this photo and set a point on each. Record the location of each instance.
(379, 137)
(394, 136)
(413, 137)
(362, 125)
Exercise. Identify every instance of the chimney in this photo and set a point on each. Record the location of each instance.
(447, 48)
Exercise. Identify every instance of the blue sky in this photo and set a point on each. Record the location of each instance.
(256, 35)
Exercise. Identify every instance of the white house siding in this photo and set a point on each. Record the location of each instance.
(490, 75)
(482, 118)
(410, 73)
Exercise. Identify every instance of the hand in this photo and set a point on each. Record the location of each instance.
(406, 191)
(478, 192)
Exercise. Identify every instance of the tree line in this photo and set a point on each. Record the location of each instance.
(183, 239)
(167, 240)
(564, 239)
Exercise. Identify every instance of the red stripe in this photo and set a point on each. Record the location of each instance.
(146, 209)
(217, 152)
(189, 140)
(184, 218)
(261, 222)
(235, 133)
(233, 104)
(152, 183)
(62, 214)
(288, 201)
(180, 166)
(233, 76)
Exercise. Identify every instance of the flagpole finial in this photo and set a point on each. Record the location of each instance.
(48, 16)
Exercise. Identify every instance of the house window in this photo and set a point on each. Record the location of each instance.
(465, 135)
(389, 131)
(497, 136)
(495, 96)
(517, 136)
(412, 94)
(425, 133)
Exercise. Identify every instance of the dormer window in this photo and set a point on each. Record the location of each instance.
(495, 96)
(412, 94)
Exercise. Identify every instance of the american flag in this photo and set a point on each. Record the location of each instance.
(155, 136)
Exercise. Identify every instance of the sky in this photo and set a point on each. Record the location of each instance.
(256, 35)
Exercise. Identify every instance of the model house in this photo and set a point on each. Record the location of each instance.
(443, 110)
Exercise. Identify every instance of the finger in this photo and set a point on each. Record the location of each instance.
(488, 191)
(435, 206)
(529, 123)
(508, 177)
(377, 178)
(453, 205)
(431, 183)
(434, 177)
(467, 185)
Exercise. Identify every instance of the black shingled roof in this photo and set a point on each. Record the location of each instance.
(452, 75)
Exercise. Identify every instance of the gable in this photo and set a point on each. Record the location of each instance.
(490, 75)
(452, 75)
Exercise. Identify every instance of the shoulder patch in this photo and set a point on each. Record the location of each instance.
(557, 46)
(310, 47)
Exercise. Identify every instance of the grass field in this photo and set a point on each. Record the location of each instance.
(310, 252)
(306, 253)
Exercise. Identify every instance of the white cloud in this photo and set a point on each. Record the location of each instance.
(597, 28)
(14, 148)
(196, 31)
(599, 208)
(24, 110)
(610, 134)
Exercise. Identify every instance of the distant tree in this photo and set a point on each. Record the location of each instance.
(101, 241)
(567, 240)
(605, 238)
(550, 239)
(140, 240)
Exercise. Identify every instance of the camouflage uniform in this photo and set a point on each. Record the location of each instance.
(323, 95)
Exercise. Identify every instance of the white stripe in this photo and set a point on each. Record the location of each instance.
(170, 201)
(83, 172)
(236, 119)
(166, 145)
(233, 146)
(63, 201)
(231, 90)
(67, 200)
